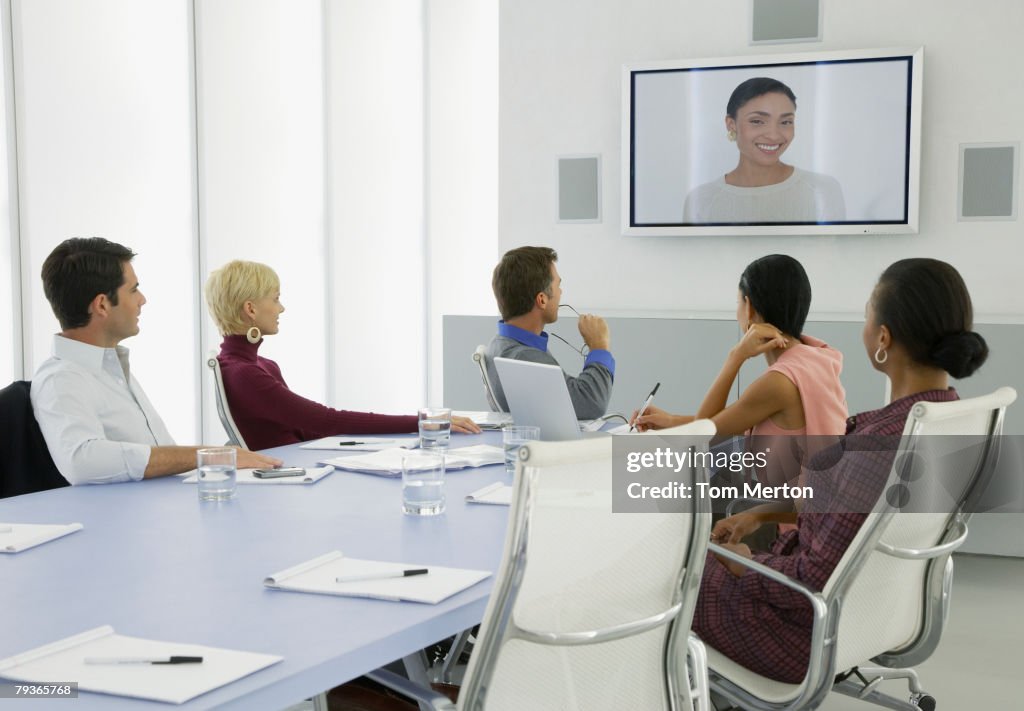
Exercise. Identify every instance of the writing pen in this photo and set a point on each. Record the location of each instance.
(144, 660)
(643, 408)
(381, 576)
(349, 444)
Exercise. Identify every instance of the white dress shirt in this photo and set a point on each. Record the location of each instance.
(98, 423)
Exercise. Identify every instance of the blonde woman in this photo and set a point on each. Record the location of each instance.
(244, 299)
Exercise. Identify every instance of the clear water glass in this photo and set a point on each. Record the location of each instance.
(423, 483)
(435, 427)
(513, 437)
(216, 476)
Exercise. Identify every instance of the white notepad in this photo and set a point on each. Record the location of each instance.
(388, 462)
(497, 493)
(320, 576)
(172, 683)
(359, 443)
(21, 536)
(246, 476)
(485, 420)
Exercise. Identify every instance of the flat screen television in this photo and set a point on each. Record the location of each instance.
(843, 158)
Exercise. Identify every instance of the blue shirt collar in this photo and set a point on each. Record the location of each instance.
(525, 337)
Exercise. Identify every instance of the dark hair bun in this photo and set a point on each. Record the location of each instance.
(960, 354)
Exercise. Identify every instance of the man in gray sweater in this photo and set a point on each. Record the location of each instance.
(528, 290)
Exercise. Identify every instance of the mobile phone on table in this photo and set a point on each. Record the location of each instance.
(277, 473)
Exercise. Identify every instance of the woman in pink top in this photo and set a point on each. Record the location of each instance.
(799, 395)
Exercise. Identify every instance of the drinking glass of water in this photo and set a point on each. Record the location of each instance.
(216, 478)
(514, 437)
(423, 483)
(435, 428)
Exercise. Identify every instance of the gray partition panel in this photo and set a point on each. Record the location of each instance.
(684, 359)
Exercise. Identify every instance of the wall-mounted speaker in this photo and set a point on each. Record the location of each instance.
(579, 188)
(988, 181)
(782, 21)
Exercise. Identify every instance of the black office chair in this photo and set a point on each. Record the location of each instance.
(25, 461)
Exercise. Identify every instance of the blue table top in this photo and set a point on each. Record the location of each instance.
(153, 561)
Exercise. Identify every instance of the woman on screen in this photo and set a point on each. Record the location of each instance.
(761, 121)
(244, 299)
(799, 396)
(917, 331)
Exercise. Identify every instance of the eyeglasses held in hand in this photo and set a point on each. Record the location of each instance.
(582, 351)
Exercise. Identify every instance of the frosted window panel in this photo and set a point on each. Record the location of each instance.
(10, 283)
(105, 148)
(375, 115)
(261, 170)
(462, 230)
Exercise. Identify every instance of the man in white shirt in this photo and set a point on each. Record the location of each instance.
(98, 423)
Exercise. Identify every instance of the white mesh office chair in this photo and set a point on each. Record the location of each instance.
(480, 358)
(887, 600)
(223, 409)
(587, 605)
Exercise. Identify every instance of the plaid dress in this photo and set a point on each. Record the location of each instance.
(765, 626)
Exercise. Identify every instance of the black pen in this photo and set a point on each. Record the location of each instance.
(382, 575)
(647, 403)
(144, 660)
(348, 444)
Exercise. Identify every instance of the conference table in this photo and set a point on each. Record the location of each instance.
(153, 561)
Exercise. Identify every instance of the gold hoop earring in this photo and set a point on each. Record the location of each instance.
(732, 136)
(253, 335)
(884, 356)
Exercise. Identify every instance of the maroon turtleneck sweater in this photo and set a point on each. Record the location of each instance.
(268, 414)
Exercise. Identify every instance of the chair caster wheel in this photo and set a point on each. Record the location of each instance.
(923, 702)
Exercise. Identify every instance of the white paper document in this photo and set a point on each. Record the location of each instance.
(320, 575)
(485, 420)
(246, 476)
(359, 443)
(388, 462)
(171, 683)
(16, 537)
(497, 494)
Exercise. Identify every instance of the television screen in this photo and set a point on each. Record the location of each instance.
(811, 143)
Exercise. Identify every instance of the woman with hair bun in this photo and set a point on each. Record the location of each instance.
(918, 332)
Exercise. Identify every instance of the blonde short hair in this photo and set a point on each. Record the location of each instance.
(228, 288)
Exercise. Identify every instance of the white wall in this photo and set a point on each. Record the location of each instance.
(560, 93)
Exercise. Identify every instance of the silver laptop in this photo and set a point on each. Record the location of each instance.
(537, 396)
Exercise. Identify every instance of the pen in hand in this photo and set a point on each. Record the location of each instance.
(381, 576)
(643, 408)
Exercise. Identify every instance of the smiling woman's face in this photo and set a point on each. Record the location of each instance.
(764, 128)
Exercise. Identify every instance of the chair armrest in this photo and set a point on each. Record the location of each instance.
(438, 702)
(606, 634)
(925, 553)
(731, 508)
(815, 598)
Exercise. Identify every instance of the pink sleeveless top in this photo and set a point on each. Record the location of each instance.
(814, 368)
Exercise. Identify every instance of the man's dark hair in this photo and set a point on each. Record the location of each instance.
(77, 271)
(926, 306)
(753, 88)
(779, 290)
(521, 274)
